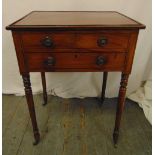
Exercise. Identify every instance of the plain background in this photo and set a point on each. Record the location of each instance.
(77, 84)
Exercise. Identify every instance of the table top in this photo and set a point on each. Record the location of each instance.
(75, 19)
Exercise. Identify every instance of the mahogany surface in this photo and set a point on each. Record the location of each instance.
(72, 40)
(75, 19)
(113, 61)
(43, 79)
(75, 41)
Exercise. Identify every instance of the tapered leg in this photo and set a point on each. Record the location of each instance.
(105, 75)
(120, 106)
(30, 103)
(43, 78)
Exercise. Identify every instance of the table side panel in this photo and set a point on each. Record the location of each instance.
(19, 51)
(131, 52)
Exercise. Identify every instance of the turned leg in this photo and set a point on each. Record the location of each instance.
(43, 78)
(30, 103)
(120, 106)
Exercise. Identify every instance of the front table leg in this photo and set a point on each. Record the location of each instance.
(30, 103)
(120, 105)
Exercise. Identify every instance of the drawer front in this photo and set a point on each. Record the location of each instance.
(47, 41)
(102, 40)
(41, 41)
(60, 61)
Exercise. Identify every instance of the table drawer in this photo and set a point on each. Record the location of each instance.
(107, 40)
(47, 41)
(98, 61)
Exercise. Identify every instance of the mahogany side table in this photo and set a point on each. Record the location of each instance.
(75, 41)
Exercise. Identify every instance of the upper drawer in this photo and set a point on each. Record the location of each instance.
(107, 40)
(32, 41)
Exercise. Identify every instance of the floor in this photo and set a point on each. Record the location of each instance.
(74, 127)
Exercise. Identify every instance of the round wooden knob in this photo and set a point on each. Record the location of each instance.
(102, 41)
(47, 42)
(100, 60)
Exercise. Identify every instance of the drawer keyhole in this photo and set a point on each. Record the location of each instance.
(75, 56)
(50, 61)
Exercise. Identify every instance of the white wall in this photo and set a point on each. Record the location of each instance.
(77, 84)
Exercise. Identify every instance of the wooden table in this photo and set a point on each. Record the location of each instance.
(47, 41)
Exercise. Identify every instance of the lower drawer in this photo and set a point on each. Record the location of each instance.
(75, 61)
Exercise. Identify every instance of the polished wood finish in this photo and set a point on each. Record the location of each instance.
(104, 83)
(72, 40)
(19, 52)
(37, 61)
(131, 52)
(30, 103)
(120, 105)
(105, 76)
(65, 20)
(94, 42)
(43, 79)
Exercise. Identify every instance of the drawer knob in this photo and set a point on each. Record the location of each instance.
(47, 42)
(100, 60)
(50, 61)
(102, 41)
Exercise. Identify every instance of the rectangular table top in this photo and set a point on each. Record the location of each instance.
(75, 19)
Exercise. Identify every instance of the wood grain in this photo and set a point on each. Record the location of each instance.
(120, 105)
(84, 19)
(31, 108)
(96, 133)
(35, 62)
(43, 79)
(16, 129)
(8, 116)
(89, 40)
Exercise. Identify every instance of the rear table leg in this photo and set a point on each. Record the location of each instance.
(105, 75)
(43, 78)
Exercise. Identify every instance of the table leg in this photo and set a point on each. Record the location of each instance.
(30, 103)
(43, 78)
(105, 75)
(120, 105)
